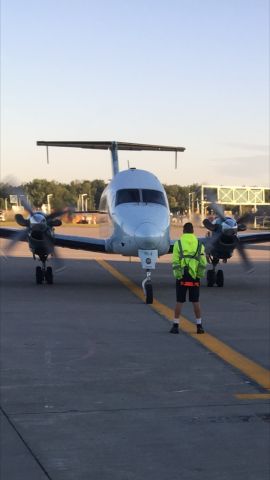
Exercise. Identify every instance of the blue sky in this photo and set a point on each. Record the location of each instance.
(192, 73)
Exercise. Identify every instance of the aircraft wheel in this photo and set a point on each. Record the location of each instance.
(220, 278)
(149, 292)
(210, 278)
(39, 275)
(49, 275)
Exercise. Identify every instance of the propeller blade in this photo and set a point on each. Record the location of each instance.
(23, 199)
(20, 236)
(56, 214)
(218, 210)
(209, 225)
(58, 262)
(241, 227)
(59, 213)
(247, 264)
(246, 218)
(23, 222)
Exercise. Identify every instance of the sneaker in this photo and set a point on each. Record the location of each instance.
(200, 329)
(175, 328)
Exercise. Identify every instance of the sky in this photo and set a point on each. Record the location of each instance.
(191, 73)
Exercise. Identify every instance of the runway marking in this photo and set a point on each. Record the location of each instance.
(251, 369)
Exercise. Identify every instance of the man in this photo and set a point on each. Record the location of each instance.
(189, 265)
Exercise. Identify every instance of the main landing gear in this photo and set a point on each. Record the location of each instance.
(215, 277)
(148, 288)
(44, 274)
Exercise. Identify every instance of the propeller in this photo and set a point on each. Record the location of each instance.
(229, 227)
(37, 229)
(218, 210)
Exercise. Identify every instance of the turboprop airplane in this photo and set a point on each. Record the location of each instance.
(138, 209)
(223, 240)
(38, 231)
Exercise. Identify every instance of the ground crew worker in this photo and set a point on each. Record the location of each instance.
(189, 265)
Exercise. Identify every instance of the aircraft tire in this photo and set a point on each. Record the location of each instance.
(220, 278)
(39, 275)
(49, 276)
(149, 292)
(210, 278)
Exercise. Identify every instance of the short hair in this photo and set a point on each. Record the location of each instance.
(188, 228)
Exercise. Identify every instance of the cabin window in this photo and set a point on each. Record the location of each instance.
(127, 195)
(153, 196)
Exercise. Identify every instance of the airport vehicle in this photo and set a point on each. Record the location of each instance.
(138, 209)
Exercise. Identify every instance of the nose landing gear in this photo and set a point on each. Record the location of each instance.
(44, 274)
(214, 277)
(148, 259)
(148, 288)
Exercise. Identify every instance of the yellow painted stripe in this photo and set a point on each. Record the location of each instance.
(253, 396)
(251, 369)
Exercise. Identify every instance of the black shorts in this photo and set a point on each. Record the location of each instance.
(181, 290)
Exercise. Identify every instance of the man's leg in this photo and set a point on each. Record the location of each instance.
(198, 315)
(197, 309)
(177, 313)
(178, 310)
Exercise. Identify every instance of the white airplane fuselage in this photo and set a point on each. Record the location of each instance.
(138, 209)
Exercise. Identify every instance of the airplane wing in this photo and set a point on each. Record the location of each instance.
(259, 237)
(11, 233)
(80, 243)
(246, 238)
(64, 241)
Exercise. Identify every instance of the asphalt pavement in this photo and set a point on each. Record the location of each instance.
(93, 386)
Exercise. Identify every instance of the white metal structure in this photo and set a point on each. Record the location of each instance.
(234, 195)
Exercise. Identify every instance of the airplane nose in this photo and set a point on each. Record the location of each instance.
(147, 236)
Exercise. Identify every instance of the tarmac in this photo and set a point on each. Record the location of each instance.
(94, 387)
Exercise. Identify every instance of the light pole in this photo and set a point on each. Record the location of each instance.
(48, 202)
(83, 203)
(189, 205)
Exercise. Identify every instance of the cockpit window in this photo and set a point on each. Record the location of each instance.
(127, 195)
(134, 195)
(153, 196)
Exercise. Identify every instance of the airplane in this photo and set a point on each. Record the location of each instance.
(39, 233)
(136, 204)
(138, 210)
(222, 239)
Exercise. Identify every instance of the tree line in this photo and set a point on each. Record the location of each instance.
(63, 194)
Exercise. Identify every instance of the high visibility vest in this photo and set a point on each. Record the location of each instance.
(188, 253)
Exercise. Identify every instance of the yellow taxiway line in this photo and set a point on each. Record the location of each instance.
(251, 369)
(253, 396)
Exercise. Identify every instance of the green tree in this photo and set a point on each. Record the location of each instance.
(37, 191)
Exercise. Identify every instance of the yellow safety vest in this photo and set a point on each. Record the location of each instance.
(188, 252)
